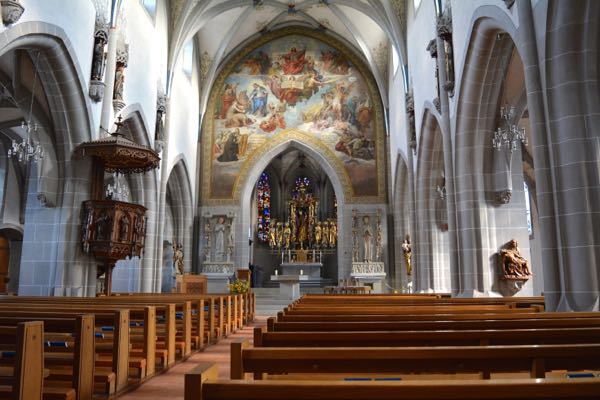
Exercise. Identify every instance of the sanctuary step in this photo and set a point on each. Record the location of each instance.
(316, 284)
(269, 301)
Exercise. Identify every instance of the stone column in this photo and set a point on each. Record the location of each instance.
(444, 25)
(109, 79)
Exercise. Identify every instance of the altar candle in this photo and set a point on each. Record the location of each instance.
(300, 272)
(276, 272)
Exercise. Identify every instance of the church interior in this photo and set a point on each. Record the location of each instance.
(185, 181)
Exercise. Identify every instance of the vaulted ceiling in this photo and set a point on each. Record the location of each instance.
(374, 28)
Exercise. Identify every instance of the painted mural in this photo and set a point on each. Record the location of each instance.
(294, 82)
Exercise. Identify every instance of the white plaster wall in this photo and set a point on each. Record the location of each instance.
(397, 125)
(184, 120)
(421, 67)
(462, 24)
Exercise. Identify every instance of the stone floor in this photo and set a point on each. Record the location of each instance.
(170, 384)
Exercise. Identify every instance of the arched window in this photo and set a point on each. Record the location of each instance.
(528, 209)
(150, 6)
(303, 181)
(188, 58)
(263, 197)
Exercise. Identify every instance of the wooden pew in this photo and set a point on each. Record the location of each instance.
(273, 326)
(402, 309)
(536, 360)
(426, 338)
(22, 370)
(81, 368)
(202, 383)
(514, 314)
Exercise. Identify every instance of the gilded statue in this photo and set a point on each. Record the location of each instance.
(325, 234)
(279, 234)
(318, 231)
(287, 235)
(332, 233)
(407, 252)
(273, 234)
(514, 265)
(302, 229)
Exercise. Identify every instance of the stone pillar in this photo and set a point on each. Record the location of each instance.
(109, 79)
(444, 24)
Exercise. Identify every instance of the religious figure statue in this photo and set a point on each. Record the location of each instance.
(279, 234)
(98, 59)
(325, 234)
(378, 243)
(119, 81)
(367, 240)
(123, 228)
(219, 230)
(318, 234)
(178, 258)
(407, 252)
(514, 265)
(287, 235)
(103, 225)
(293, 228)
(332, 233)
(303, 230)
(273, 234)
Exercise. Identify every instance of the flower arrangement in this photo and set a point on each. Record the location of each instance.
(239, 286)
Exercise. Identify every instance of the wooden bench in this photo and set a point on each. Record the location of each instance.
(202, 383)
(274, 326)
(426, 338)
(22, 363)
(536, 360)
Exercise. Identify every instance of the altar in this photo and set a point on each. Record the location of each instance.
(289, 285)
(313, 270)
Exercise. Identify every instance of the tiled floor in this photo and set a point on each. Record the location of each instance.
(170, 384)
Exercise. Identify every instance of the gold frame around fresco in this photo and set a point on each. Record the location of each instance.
(292, 134)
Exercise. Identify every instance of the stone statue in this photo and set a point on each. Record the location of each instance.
(98, 59)
(407, 252)
(514, 265)
(378, 242)
(178, 258)
(332, 233)
(287, 233)
(219, 230)
(119, 81)
(367, 240)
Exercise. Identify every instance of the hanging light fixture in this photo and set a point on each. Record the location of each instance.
(508, 134)
(28, 149)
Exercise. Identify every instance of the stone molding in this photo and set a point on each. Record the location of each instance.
(11, 11)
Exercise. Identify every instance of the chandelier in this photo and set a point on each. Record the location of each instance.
(508, 134)
(28, 148)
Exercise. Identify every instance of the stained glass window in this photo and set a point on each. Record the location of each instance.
(304, 181)
(528, 209)
(263, 197)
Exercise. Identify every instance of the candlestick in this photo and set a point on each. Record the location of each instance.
(276, 272)
(300, 272)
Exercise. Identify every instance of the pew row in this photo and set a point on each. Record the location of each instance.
(21, 360)
(537, 360)
(202, 383)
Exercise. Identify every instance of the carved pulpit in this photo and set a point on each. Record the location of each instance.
(113, 230)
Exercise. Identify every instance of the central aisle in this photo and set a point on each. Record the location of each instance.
(170, 384)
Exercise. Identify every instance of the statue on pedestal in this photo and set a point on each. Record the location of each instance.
(178, 258)
(407, 252)
(219, 230)
(286, 235)
(332, 233)
(318, 231)
(325, 234)
(273, 234)
(514, 265)
(367, 240)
